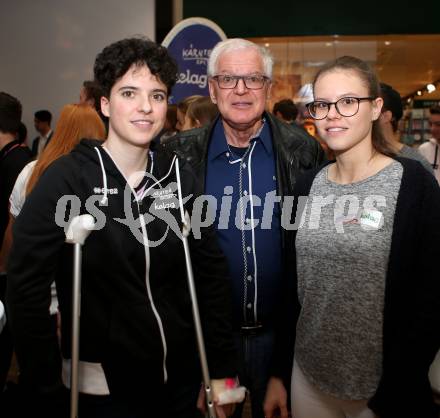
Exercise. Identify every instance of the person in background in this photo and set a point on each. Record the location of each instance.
(169, 129)
(90, 94)
(42, 121)
(250, 157)
(75, 122)
(22, 134)
(392, 112)
(182, 108)
(138, 354)
(431, 150)
(13, 157)
(200, 112)
(366, 320)
(286, 111)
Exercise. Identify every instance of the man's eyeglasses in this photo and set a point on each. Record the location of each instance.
(252, 82)
(346, 106)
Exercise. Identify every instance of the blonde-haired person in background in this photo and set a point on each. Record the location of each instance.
(200, 112)
(182, 108)
(76, 121)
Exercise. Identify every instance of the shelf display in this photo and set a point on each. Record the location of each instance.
(415, 128)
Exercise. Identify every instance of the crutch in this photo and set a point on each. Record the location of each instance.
(196, 315)
(77, 232)
(186, 228)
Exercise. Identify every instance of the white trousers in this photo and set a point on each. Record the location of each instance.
(309, 402)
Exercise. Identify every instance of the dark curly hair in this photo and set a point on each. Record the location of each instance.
(116, 59)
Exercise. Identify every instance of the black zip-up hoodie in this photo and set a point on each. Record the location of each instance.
(136, 318)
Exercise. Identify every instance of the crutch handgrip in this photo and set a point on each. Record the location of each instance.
(79, 229)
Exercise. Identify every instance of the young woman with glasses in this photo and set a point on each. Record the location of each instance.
(368, 319)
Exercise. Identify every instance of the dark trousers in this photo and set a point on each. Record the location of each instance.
(176, 400)
(255, 352)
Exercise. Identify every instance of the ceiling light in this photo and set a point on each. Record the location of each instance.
(430, 88)
(408, 100)
(387, 43)
(314, 63)
(328, 44)
(267, 45)
(419, 92)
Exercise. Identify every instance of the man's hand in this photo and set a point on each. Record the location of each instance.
(275, 402)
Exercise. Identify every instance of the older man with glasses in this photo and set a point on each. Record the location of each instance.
(249, 161)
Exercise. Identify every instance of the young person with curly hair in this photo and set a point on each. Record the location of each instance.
(138, 353)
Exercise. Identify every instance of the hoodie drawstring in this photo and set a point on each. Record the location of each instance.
(179, 192)
(104, 178)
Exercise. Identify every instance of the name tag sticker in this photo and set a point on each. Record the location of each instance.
(371, 219)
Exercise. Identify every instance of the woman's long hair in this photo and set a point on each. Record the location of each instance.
(76, 121)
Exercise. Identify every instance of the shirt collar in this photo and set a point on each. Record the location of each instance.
(219, 145)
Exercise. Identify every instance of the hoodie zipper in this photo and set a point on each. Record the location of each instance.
(147, 266)
(150, 295)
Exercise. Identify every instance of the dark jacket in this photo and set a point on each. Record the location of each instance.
(295, 152)
(136, 317)
(13, 157)
(411, 327)
(35, 143)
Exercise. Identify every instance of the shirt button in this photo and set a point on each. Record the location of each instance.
(249, 249)
(244, 165)
(227, 154)
(245, 192)
(248, 221)
(249, 305)
(249, 278)
(274, 178)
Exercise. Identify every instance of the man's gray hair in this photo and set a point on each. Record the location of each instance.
(236, 44)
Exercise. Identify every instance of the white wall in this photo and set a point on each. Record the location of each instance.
(48, 47)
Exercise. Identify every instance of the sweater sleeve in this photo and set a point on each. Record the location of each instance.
(38, 242)
(426, 319)
(411, 345)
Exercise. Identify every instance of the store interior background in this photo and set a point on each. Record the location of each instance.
(48, 47)
(400, 39)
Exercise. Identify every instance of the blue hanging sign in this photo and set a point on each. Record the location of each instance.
(190, 43)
